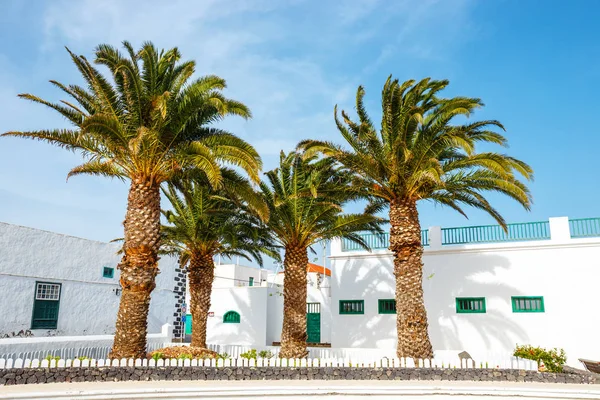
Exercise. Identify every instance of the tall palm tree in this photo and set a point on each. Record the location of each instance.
(421, 154)
(305, 198)
(147, 122)
(205, 222)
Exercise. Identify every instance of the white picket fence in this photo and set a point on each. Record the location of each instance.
(372, 356)
(28, 355)
(513, 363)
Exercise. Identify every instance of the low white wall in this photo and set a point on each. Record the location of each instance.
(96, 346)
(251, 304)
(565, 272)
(88, 303)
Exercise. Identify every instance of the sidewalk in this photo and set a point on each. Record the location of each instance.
(406, 390)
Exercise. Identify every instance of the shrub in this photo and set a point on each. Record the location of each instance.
(50, 357)
(266, 354)
(185, 356)
(81, 358)
(178, 351)
(250, 354)
(553, 359)
(223, 356)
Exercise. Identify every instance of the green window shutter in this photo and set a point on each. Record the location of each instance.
(470, 305)
(251, 281)
(387, 306)
(108, 272)
(352, 306)
(231, 317)
(528, 304)
(46, 303)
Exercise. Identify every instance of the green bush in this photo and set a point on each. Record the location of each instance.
(81, 358)
(266, 354)
(158, 356)
(553, 359)
(250, 354)
(223, 356)
(50, 357)
(185, 356)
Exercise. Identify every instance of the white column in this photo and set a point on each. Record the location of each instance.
(435, 237)
(559, 229)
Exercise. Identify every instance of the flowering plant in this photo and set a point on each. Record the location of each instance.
(550, 360)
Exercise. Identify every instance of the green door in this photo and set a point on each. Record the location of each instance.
(313, 322)
(188, 324)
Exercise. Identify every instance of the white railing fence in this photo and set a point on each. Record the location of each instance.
(513, 363)
(95, 352)
(71, 347)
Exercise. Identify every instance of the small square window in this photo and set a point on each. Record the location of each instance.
(108, 272)
(528, 304)
(387, 306)
(470, 305)
(352, 306)
(251, 281)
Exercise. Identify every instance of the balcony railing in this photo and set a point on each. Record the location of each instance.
(584, 227)
(519, 232)
(494, 233)
(379, 241)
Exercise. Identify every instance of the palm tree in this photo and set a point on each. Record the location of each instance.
(420, 154)
(305, 198)
(147, 123)
(205, 222)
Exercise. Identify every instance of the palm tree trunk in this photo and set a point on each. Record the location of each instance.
(201, 273)
(293, 336)
(139, 267)
(411, 317)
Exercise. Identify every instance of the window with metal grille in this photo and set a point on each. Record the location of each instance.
(528, 304)
(352, 306)
(470, 305)
(45, 305)
(387, 306)
(231, 317)
(108, 272)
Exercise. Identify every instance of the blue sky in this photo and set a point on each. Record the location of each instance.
(536, 65)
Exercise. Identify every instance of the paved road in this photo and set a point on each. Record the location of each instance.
(330, 390)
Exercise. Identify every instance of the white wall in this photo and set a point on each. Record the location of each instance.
(564, 271)
(88, 303)
(235, 275)
(251, 304)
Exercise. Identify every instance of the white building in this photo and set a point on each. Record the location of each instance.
(484, 291)
(245, 313)
(58, 285)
